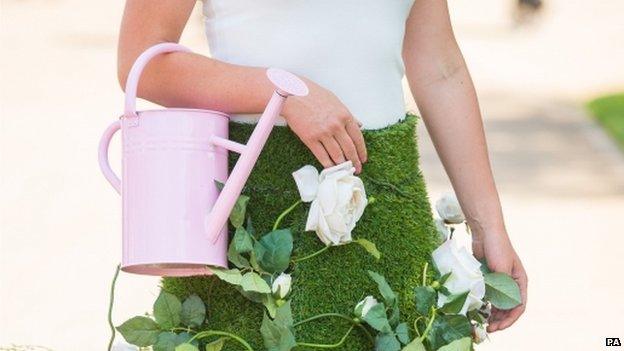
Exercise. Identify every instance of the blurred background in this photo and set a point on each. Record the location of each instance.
(550, 80)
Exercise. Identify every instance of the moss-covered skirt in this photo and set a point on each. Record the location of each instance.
(399, 222)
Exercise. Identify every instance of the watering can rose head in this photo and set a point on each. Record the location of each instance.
(338, 201)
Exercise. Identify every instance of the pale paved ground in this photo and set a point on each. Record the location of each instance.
(562, 182)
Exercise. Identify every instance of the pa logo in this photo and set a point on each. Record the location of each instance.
(613, 342)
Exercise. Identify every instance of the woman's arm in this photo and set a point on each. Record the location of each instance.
(179, 79)
(446, 97)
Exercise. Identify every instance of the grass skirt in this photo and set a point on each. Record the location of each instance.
(399, 222)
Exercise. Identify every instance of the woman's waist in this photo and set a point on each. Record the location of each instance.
(392, 153)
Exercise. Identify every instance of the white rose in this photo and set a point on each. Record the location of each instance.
(281, 285)
(122, 346)
(338, 201)
(448, 208)
(443, 230)
(479, 334)
(362, 308)
(466, 274)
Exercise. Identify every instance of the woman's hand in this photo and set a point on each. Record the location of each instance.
(326, 127)
(500, 255)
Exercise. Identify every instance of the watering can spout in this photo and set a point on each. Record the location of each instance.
(286, 84)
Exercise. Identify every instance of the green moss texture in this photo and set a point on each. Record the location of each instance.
(399, 222)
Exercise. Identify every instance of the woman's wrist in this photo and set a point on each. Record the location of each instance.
(484, 228)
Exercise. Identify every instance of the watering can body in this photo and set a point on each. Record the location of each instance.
(173, 215)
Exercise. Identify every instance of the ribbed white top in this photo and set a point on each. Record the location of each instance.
(351, 47)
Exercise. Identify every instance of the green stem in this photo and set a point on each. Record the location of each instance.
(319, 316)
(328, 346)
(312, 255)
(416, 324)
(433, 315)
(283, 214)
(208, 333)
(339, 315)
(111, 300)
(188, 330)
(424, 277)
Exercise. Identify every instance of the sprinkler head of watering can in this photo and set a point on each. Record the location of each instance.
(286, 83)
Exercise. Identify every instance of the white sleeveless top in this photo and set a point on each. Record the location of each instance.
(350, 47)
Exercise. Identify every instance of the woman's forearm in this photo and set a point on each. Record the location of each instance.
(191, 80)
(446, 98)
(184, 79)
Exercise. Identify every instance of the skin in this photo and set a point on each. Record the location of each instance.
(436, 72)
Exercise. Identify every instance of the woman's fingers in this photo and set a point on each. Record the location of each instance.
(318, 150)
(506, 318)
(333, 149)
(521, 278)
(353, 129)
(350, 152)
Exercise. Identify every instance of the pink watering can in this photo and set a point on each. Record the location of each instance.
(174, 219)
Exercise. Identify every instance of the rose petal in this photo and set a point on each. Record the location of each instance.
(345, 166)
(327, 196)
(313, 216)
(307, 180)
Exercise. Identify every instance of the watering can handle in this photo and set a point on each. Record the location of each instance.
(105, 167)
(286, 84)
(132, 83)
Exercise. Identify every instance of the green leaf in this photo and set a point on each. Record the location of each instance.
(219, 185)
(193, 311)
(402, 333)
(252, 295)
(140, 331)
(166, 342)
(242, 240)
(474, 315)
(448, 328)
(251, 281)
(284, 316)
(232, 276)
(425, 299)
(387, 342)
(455, 303)
(273, 251)
(167, 310)
(237, 216)
(377, 319)
(250, 228)
(484, 266)
(277, 337)
(237, 259)
(186, 347)
(185, 337)
(216, 345)
(370, 247)
(502, 291)
(253, 258)
(384, 288)
(415, 345)
(463, 344)
(269, 303)
(395, 315)
(444, 278)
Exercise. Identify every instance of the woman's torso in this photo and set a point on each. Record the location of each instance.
(350, 47)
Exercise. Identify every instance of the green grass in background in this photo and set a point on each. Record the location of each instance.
(609, 111)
